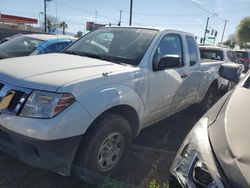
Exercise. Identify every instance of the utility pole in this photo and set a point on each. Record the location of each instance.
(45, 15)
(120, 19)
(131, 7)
(40, 22)
(45, 19)
(96, 16)
(224, 30)
(204, 39)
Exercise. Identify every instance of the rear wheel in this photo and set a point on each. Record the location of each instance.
(106, 145)
(209, 100)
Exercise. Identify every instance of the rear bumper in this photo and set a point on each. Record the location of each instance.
(54, 155)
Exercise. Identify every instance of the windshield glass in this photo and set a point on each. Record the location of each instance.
(19, 46)
(211, 54)
(124, 45)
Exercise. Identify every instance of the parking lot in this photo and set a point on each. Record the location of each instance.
(150, 158)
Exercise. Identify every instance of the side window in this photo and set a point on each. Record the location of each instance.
(192, 50)
(231, 56)
(171, 44)
(57, 47)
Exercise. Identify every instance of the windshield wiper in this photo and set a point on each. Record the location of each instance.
(71, 52)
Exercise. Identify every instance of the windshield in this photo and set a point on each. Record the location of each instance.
(19, 46)
(124, 45)
(211, 54)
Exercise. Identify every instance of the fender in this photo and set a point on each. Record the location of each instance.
(210, 75)
(99, 100)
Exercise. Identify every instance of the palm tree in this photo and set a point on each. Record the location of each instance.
(64, 26)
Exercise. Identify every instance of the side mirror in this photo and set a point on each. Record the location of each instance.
(231, 71)
(168, 61)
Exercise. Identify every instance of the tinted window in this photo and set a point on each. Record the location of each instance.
(192, 50)
(170, 45)
(211, 54)
(19, 46)
(124, 45)
(241, 54)
(57, 47)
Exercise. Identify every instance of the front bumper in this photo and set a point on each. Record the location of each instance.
(54, 155)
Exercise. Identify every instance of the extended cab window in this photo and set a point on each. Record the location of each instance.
(231, 56)
(170, 45)
(192, 50)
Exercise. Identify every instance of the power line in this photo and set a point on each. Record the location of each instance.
(233, 10)
(160, 15)
(205, 10)
(186, 5)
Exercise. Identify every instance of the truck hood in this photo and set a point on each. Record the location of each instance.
(49, 72)
(229, 136)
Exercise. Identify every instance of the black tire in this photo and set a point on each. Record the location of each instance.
(209, 100)
(100, 139)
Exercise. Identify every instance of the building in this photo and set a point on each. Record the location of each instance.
(11, 25)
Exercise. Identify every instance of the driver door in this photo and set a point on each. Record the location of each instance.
(165, 85)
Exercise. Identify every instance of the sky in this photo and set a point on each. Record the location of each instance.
(186, 15)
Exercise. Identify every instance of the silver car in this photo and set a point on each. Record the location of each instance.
(216, 151)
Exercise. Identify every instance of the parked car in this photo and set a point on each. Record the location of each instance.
(216, 151)
(79, 110)
(243, 56)
(33, 44)
(9, 38)
(217, 53)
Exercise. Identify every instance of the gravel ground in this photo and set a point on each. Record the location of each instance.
(150, 158)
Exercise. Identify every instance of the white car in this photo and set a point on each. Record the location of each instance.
(79, 110)
(217, 53)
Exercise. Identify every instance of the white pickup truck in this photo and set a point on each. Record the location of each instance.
(78, 111)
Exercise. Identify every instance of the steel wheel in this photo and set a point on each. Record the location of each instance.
(103, 149)
(110, 152)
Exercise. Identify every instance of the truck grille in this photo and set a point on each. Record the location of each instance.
(12, 98)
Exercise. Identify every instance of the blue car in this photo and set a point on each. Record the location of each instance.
(34, 44)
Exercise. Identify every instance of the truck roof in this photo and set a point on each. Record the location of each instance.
(153, 28)
(214, 47)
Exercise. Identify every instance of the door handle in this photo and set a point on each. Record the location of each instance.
(184, 75)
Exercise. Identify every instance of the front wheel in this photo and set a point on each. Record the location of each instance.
(106, 145)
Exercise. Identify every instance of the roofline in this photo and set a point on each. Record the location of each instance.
(149, 27)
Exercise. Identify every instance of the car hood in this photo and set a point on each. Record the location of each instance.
(229, 136)
(51, 71)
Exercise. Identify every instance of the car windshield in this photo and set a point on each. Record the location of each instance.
(211, 54)
(119, 45)
(19, 46)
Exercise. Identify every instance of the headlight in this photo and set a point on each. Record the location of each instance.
(195, 165)
(41, 104)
